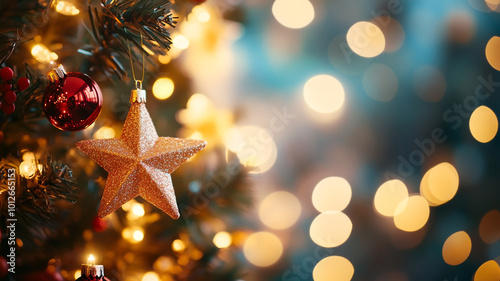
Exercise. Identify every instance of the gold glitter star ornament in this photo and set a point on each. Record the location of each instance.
(139, 162)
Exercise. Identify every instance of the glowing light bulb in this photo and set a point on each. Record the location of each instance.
(91, 260)
(27, 169)
(66, 8)
(43, 54)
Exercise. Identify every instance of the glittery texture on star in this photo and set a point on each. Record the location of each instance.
(139, 163)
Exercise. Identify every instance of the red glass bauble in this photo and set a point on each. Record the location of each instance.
(72, 102)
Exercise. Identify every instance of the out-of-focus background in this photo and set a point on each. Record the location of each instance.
(347, 140)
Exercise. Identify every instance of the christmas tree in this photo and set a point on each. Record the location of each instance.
(230, 140)
(51, 191)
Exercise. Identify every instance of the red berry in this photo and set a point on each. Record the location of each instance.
(9, 97)
(8, 108)
(6, 73)
(5, 87)
(23, 83)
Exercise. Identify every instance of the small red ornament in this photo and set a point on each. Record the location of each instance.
(99, 224)
(23, 83)
(8, 108)
(9, 97)
(72, 101)
(5, 87)
(6, 73)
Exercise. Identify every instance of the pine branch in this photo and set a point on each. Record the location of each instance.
(116, 24)
(36, 198)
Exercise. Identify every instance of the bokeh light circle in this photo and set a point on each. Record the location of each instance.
(254, 146)
(388, 197)
(150, 276)
(493, 52)
(263, 249)
(456, 248)
(393, 31)
(366, 39)
(488, 271)
(489, 227)
(412, 214)
(293, 13)
(334, 268)
(324, 94)
(461, 26)
(483, 124)
(425, 191)
(330, 229)
(163, 88)
(280, 210)
(380, 82)
(331, 194)
(443, 182)
(222, 239)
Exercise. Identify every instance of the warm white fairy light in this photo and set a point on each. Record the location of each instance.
(91, 260)
(66, 8)
(42, 54)
(27, 169)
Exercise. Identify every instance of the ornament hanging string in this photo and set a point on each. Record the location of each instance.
(138, 83)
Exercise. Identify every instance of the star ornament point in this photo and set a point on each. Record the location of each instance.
(139, 163)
